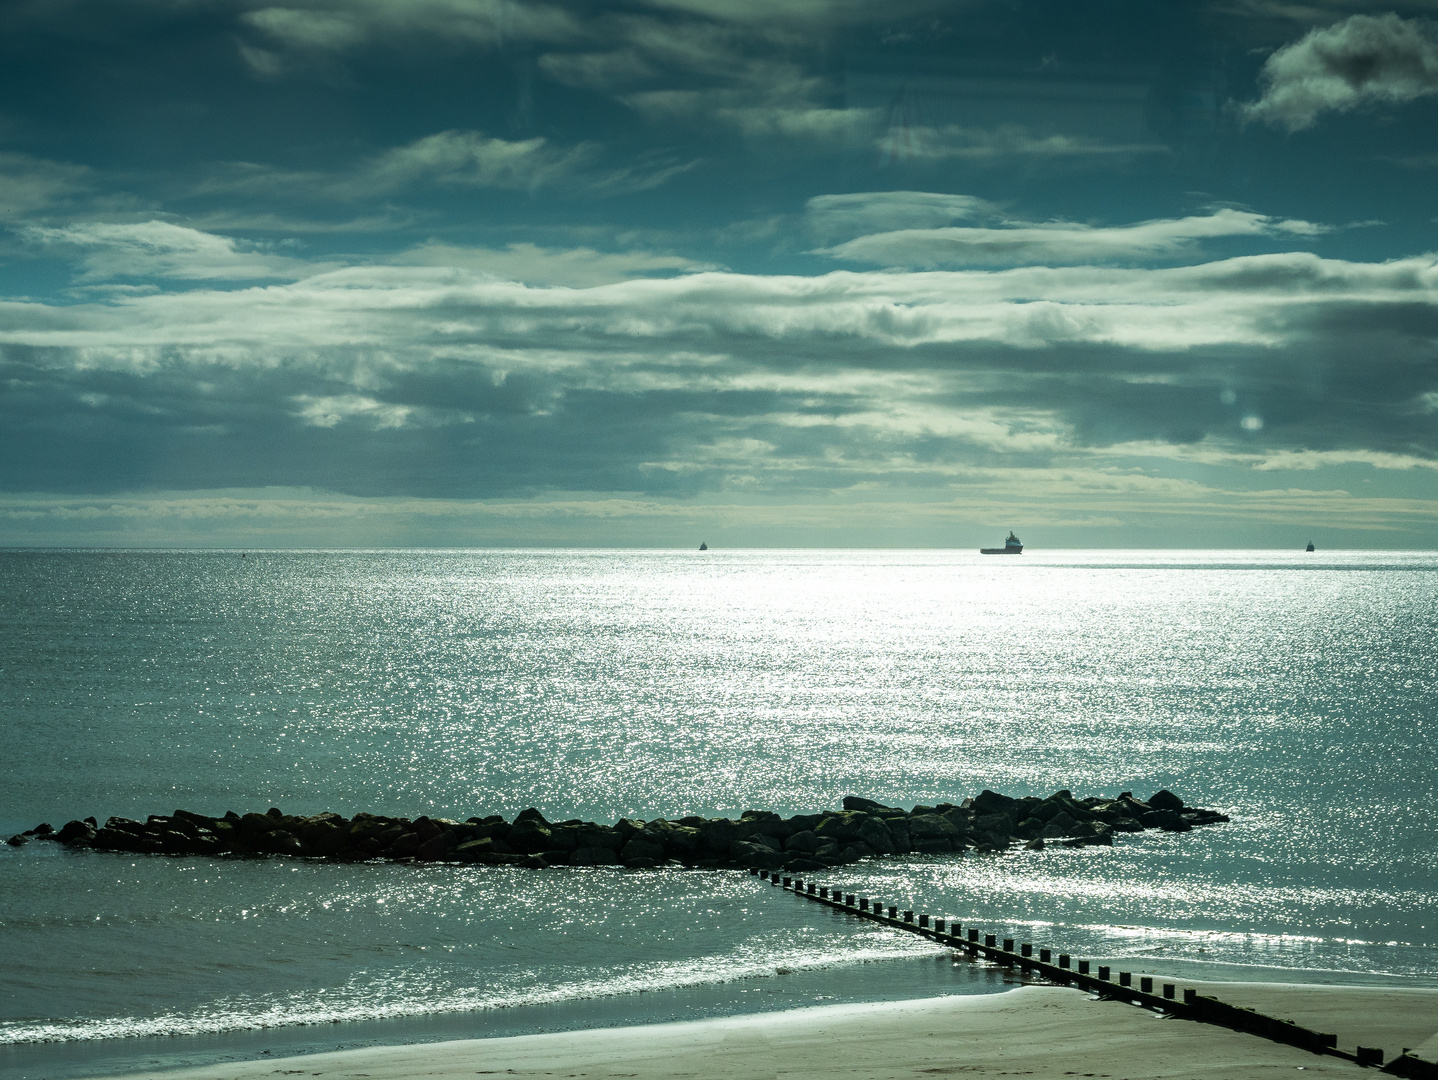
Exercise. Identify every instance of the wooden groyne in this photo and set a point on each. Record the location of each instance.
(861, 829)
(1065, 970)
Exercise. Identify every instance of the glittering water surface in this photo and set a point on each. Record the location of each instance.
(1298, 693)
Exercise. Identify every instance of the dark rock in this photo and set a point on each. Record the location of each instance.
(626, 828)
(278, 842)
(1196, 816)
(593, 856)
(437, 847)
(1029, 829)
(682, 842)
(482, 850)
(642, 846)
(565, 838)
(853, 802)
(803, 842)
(639, 862)
(1168, 820)
(744, 853)
(1036, 844)
(530, 815)
(927, 827)
(1165, 800)
(529, 837)
(875, 832)
(405, 846)
(76, 833)
(803, 865)
(717, 835)
(1061, 824)
(557, 857)
(934, 846)
(42, 831)
(991, 802)
(597, 836)
(18, 839)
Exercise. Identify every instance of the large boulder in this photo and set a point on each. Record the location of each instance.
(76, 833)
(744, 853)
(875, 832)
(1168, 820)
(1165, 800)
(529, 837)
(854, 802)
(597, 836)
(717, 834)
(803, 842)
(925, 827)
(991, 802)
(642, 846)
(842, 828)
(1060, 825)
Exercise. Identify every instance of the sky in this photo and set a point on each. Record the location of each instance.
(829, 273)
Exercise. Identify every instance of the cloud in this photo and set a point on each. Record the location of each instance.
(159, 249)
(441, 381)
(867, 212)
(535, 265)
(924, 144)
(328, 26)
(1363, 60)
(455, 159)
(29, 184)
(472, 159)
(1059, 242)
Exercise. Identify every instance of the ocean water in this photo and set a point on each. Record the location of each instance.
(1298, 693)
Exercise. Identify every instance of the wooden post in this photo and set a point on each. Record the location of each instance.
(1063, 959)
(893, 912)
(1083, 967)
(1045, 956)
(923, 919)
(1103, 973)
(1125, 978)
(1145, 985)
(1026, 949)
(1008, 944)
(989, 941)
(1168, 990)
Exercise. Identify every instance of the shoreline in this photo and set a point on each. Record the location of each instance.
(1035, 1030)
(1009, 1026)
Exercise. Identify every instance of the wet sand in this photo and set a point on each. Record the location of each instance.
(1036, 1031)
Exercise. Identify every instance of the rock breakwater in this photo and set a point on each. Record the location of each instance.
(759, 839)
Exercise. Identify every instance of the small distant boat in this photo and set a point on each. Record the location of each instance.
(1012, 546)
(1309, 547)
(703, 546)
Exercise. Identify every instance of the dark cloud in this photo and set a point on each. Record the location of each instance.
(1363, 60)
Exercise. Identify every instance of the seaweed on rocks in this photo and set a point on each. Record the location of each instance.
(759, 839)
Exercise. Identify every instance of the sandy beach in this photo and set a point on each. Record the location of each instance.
(1036, 1031)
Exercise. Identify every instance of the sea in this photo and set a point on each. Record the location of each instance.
(1296, 692)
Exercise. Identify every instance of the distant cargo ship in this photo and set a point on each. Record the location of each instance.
(1012, 546)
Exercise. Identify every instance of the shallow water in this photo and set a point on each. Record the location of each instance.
(1296, 693)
